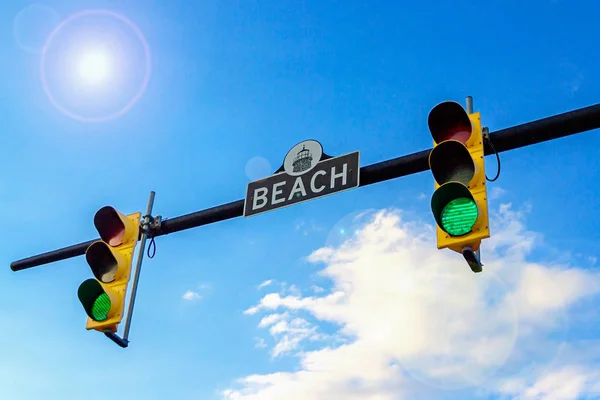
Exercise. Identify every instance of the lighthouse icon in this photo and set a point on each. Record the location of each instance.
(302, 158)
(303, 161)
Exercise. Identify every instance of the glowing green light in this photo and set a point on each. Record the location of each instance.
(459, 216)
(101, 307)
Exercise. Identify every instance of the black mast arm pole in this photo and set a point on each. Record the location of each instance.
(542, 130)
(75, 250)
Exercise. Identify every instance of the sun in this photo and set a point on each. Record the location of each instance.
(94, 67)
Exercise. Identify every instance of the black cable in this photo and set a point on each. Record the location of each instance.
(153, 246)
(497, 158)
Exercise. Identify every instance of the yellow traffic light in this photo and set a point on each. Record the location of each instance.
(459, 203)
(110, 260)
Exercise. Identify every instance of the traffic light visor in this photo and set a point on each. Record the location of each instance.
(111, 225)
(450, 161)
(103, 261)
(454, 209)
(95, 301)
(449, 121)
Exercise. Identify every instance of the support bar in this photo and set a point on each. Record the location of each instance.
(138, 266)
(117, 339)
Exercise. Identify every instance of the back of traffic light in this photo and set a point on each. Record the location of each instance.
(459, 203)
(110, 259)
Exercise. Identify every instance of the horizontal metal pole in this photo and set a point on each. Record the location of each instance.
(75, 250)
(204, 217)
(542, 130)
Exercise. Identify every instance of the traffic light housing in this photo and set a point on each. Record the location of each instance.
(459, 203)
(110, 259)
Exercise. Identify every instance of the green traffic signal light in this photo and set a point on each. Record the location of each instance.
(94, 299)
(454, 209)
(101, 307)
(459, 216)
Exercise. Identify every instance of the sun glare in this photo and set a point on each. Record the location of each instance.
(94, 67)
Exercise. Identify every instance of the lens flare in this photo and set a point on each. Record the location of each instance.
(32, 25)
(347, 229)
(258, 168)
(95, 66)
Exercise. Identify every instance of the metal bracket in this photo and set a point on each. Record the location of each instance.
(486, 133)
(472, 258)
(154, 227)
(117, 339)
(156, 223)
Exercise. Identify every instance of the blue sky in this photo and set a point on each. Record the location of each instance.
(233, 86)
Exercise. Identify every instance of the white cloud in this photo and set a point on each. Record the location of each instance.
(271, 319)
(307, 227)
(190, 295)
(196, 294)
(569, 382)
(288, 332)
(410, 312)
(265, 284)
(252, 311)
(260, 343)
(290, 335)
(543, 290)
(573, 77)
(496, 192)
(293, 289)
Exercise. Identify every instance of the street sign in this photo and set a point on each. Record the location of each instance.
(307, 173)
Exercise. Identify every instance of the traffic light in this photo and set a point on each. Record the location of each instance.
(110, 260)
(459, 203)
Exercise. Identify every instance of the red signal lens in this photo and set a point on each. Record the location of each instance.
(449, 121)
(110, 226)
